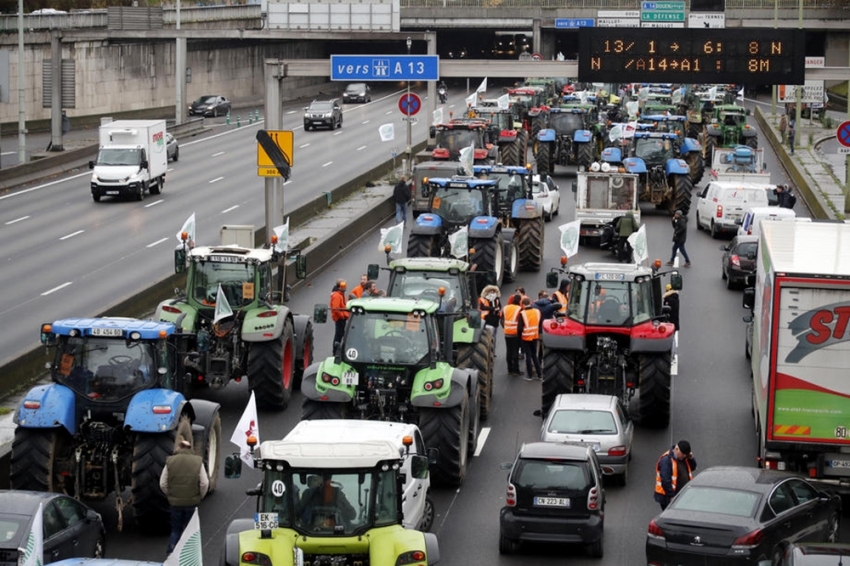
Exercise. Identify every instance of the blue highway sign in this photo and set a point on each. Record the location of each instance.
(385, 67)
(570, 23)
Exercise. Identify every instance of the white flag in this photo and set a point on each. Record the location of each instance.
(638, 243)
(629, 130)
(632, 109)
(467, 158)
(712, 93)
(570, 233)
(392, 237)
(582, 97)
(560, 57)
(483, 86)
(189, 551)
(189, 228)
(643, 94)
(437, 116)
(470, 100)
(282, 233)
(677, 96)
(459, 242)
(387, 132)
(741, 94)
(222, 307)
(33, 554)
(504, 102)
(248, 426)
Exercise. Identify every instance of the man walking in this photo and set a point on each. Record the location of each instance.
(185, 482)
(784, 196)
(401, 196)
(627, 226)
(680, 234)
(792, 123)
(510, 322)
(675, 468)
(528, 329)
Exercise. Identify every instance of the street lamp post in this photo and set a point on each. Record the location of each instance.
(409, 167)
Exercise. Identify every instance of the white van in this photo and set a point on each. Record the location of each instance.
(750, 225)
(722, 205)
(417, 506)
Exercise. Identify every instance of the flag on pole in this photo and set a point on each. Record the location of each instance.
(483, 86)
(392, 237)
(33, 554)
(188, 551)
(437, 116)
(470, 100)
(467, 158)
(712, 93)
(740, 94)
(569, 237)
(248, 425)
(459, 242)
(632, 109)
(189, 228)
(504, 102)
(222, 307)
(282, 233)
(629, 129)
(637, 240)
(387, 132)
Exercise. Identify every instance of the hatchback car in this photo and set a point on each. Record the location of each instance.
(739, 260)
(815, 554)
(71, 529)
(210, 105)
(172, 149)
(739, 515)
(545, 191)
(598, 420)
(357, 92)
(324, 113)
(721, 205)
(554, 494)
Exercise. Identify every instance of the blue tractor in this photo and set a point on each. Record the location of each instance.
(568, 138)
(687, 148)
(111, 415)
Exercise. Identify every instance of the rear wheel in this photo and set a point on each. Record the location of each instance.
(39, 457)
(696, 165)
(150, 506)
(710, 143)
(559, 368)
(715, 233)
(321, 410)
(156, 188)
(420, 246)
(509, 153)
(654, 386)
(752, 142)
(682, 188)
(489, 256)
(479, 356)
(448, 430)
(176, 154)
(511, 261)
(305, 357)
(271, 366)
(507, 545)
(212, 451)
(584, 155)
(529, 237)
(595, 549)
(544, 155)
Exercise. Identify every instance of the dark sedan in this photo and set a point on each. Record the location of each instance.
(816, 554)
(210, 105)
(357, 92)
(738, 515)
(70, 528)
(739, 260)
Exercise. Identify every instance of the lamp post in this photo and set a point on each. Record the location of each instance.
(408, 167)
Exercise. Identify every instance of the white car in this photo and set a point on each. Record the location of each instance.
(545, 191)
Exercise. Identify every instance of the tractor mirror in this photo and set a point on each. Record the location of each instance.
(320, 314)
(676, 281)
(552, 279)
(474, 318)
(575, 187)
(749, 298)
(372, 271)
(748, 319)
(48, 338)
(233, 466)
(300, 266)
(432, 132)
(419, 466)
(180, 260)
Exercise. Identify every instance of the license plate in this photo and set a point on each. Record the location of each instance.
(265, 521)
(610, 276)
(107, 332)
(551, 502)
(840, 464)
(350, 378)
(113, 192)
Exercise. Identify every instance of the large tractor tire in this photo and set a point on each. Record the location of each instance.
(305, 356)
(511, 261)
(559, 368)
(710, 143)
(695, 130)
(420, 246)
(544, 158)
(509, 153)
(447, 430)
(584, 155)
(212, 451)
(489, 256)
(522, 142)
(529, 237)
(150, 506)
(752, 142)
(654, 387)
(321, 410)
(479, 355)
(682, 188)
(37, 455)
(271, 369)
(696, 164)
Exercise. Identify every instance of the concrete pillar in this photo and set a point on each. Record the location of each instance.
(56, 98)
(180, 101)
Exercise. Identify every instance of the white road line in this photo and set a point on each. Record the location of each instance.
(234, 207)
(161, 240)
(482, 438)
(362, 147)
(328, 163)
(16, 220)
(291, 112)
(154, 203)
(72, 234)
(365, 122)
(53, 290)
(216, 180)
(338, 132)
(390, 112)
(217, 154)
(303, 146)
(44, 186)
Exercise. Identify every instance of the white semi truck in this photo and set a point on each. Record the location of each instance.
(131, 161)
(801, 348)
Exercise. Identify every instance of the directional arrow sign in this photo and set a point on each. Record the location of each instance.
(275, 154)
(385, 67)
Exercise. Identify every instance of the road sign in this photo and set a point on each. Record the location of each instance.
(283, 139)
(812, 93)
(409, 104)
(385, 67)
(536, 57)
(569, 23)
(843, 134)
(268, 172)
(618, 22)
(707, 20)
(662, 11)
(843, 151)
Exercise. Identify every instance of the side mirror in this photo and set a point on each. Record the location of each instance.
(300, 266)
(724, 248)
(419, 466)
(552, 279)
(233, 466)
(474, 318)
(575, 187)
(676, 281)
(320, 314)
(143, 164)
(506, 465)
(180, 260)
(749, 298)
(432, 132)
(433, 455)
(372, 271)
(91, 164)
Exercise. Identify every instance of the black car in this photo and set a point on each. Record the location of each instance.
(323, 113)
(737, 515)
(357, 92)
(71, 529)
(816, 554)
(555, 494)
(210, 105)
(739, 260)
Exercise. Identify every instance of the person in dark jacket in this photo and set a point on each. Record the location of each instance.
(675, 468)
(671, 299)
(184, 482)
(627, 226)
(680, 234)
(547, 307)
(785, 197)
(401, 197)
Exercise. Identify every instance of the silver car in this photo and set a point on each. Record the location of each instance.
(600, 421)
(172, 149)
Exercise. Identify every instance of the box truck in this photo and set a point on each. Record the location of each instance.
(801, 348)
(131, 161)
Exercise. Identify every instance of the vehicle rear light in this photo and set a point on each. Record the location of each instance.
(736, 261)
(32, 405)
(510, 498)
(267, 314)
(617, 451)
(256, 558)
(410, 557)
(813, 472)
(172, 310)
(593, 498)
(161, 409)
(654, 531)
(482, 221)
(748, 541)
(432, 385)
(719, 211)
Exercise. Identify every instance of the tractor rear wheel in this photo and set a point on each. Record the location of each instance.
(694, 130)
(682, 188)
(654, 387)
(321, 410)
(559, 368)
(710, 143)
(305, 356)
(489, 256)
(271, 369)
(522, 142)
(511, 255)
(544, 156)
(479, 356)
(212, 451)
(584, 155)
(529, 237)
(696, 166)
(37, 455)
(420, 246)
(752, 142)
(509, 153)
(448, 431)
(150, 506)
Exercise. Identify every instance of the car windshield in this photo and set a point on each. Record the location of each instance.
(105, 369)
(355, 88)
(611, 303)
(382, 337)
(206, 100)
(119, 156)
(457, 205)
(550, 474)
(236, 281)
(321, 107)
(574, 421)
(455, 140)
(717, 500)
(566, 122)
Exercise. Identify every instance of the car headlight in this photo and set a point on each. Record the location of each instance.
(94, 177)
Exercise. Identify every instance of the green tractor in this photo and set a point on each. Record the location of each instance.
(728, 127)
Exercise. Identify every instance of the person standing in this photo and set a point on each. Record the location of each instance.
(783, 125)
(675, 468)
(401, 196)
(547, 308)
(339, 314)
(627, 226)
(785, 197)
(680, 234)
(562, 295)
(792, 123)
(184, 482)
(490, 305)
(528, 329)
(671, 299)
(510, 322)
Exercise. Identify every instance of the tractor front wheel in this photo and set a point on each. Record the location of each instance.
(447, 430)
(529, 236)
(559, 368)
(150, 506)
(489, 256)
(584, 155)
(479, 356)
(420, 246)
(544, 158)
(696, 165)
(271, 369)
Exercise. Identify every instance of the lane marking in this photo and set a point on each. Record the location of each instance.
(362, 147)
(216, 180)
(16, 220)
(44, 186)
(303, 146)
(366, 122)
(328, 163)
(161, 240)
(338, 132)
(72, 234)
(217, 154)
(154, 203)
(53, 290)
(226, 210)
(482, 438)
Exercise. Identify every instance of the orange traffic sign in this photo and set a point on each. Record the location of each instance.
(283, 139)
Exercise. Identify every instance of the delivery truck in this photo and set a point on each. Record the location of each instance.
(603, 194)
(131, 161)
(801, 348)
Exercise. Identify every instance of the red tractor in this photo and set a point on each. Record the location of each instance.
(460, 133)
(506, 131)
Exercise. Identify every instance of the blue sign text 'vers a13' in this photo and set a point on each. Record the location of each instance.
(385, 67)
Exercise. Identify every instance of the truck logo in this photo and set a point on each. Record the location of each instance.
(819, 328)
